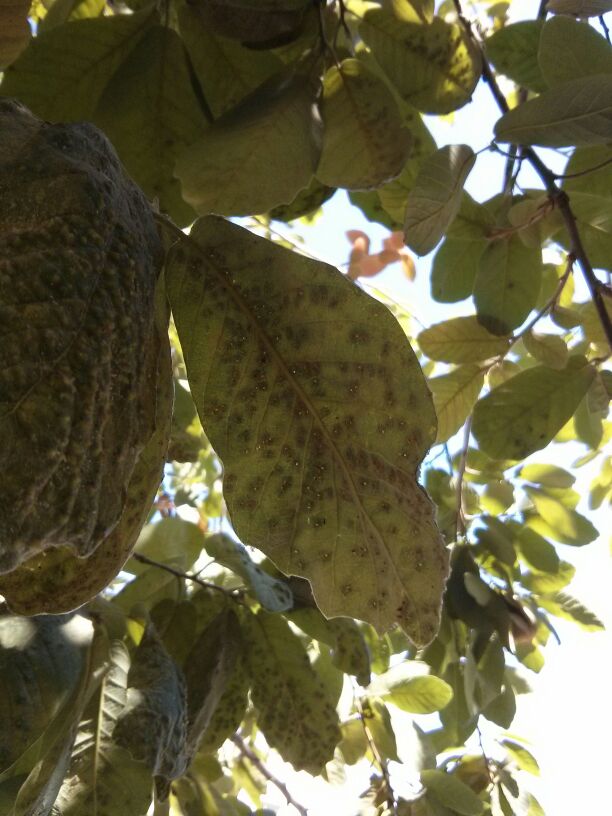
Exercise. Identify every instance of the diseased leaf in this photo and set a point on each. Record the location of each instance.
(364, 143)
(577, 113)
(563, 524)
(274, 595)
(513, 50)
(461, 340)
(432, 65)
(291, 348)
(451, 792)
(435, 198)
(585, 52)
(227, 170)
(455, 395)
(14, 30)
(62, 74)
(523, 414)
(286, 689)
(507, 284)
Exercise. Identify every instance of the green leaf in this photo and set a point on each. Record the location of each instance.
(364, 143)
(225, 69)
(579, 8)
(577, 113)
(547, 475)
(450, 791)
(455, 395)
(417, 695)
(461, 340)
(273, 594)
(286, 689)
(152, 725)
(100, 771)
(228, 169)
(171, 540)
(63, 73)
(563, 524)
(350, 652)
(537, 551)
(502, 709)
(565, 606)
(523, 758)
(454, 269)
(507, 284)
(435, 198)
(306, 403)
(513, 50)
(432, 65)
(585, 52)
(523, 414)
(548, 349)
(549, 581)
(151, 114)
(306, 204)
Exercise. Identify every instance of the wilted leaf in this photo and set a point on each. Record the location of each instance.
(432, 65)
(507, 284)
(435, 198)
(513, 50)
(286, 689)
(461, 340)
(585, 52)
(82, 340)
(364, 143)
(227, 170)
(291, 348)
(578, 112)
(523, 414)
(455, 395)
(273, 594)
(451, 792)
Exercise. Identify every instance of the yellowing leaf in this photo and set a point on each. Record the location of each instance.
(320, 421)
(585, 52)
(523, 414)
(435, 199)
(229, 169)
(432, 65)
(578, 112)
(364, 143)
(454, 397)
(460, 340)
(507, 284)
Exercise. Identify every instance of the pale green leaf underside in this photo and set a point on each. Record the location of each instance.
(585, 52)
(435, 199)
(321, 423)
(577, 113)
(523, 414)
(454, 397)
(461, 340)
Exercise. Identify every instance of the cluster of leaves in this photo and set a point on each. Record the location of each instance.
(309, 393)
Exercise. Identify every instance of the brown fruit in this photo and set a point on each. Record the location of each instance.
(81, 348)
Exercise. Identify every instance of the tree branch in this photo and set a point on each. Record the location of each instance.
(548, 178)
(382, 764)
(266, 773)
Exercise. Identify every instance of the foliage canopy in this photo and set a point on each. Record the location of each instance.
(345, 502)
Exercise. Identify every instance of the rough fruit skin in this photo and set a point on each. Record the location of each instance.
(79, 260)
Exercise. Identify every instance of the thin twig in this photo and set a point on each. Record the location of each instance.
(484, 755)
(460, 525)
(584, 172)
(266, 773)
(548, 178)
(380, 761)
(187, 576)
(604, 27)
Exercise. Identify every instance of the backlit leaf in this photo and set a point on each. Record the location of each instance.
(450, 791)
(523, 414)
(523, 758)
(537, 551)
(513, 50)
(579, 8)
(435, 198)
(432, 65)
(565, 606)
(169, 540)
(454, 397)
(227, 170)
(548, 349)
(578, 112)
(507, 284)
(417, 695)
(461, 340)
(585, 52)
(547, 475)
(565, 525)
(318, 420)
(454, 269)
(364, 143)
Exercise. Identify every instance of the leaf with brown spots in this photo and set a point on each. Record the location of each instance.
(315, 402)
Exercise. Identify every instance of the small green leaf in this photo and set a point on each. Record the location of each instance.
(507, 284)
(537, 551)
(169, 540)
(455, 395)
(523, 758)
(451, 792)
(454, 269)
(460, 340)
(585, 52)
(502, 709)
(547, 475)
(548, 349)
(513, 50)
(523, 414)
(228, 169)
(565, 606)
(577, 113)
(563, 524)
(435, 198)
(364, 143)
(417, 695)
(549, 581)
